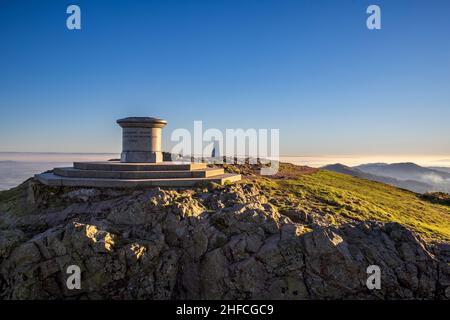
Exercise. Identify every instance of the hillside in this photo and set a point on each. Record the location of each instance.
(344, 196)
(406, 170)
(302, 234)
(442, 169)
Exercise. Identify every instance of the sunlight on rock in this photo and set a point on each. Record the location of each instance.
(100, 236)
(138, 250)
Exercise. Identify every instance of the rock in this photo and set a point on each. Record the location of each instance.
(227, 242)
(82, 195)
(214, 272)
(8, 240)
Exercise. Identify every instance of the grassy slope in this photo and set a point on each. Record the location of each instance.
(359, 199)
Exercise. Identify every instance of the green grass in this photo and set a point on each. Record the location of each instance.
(359, 199)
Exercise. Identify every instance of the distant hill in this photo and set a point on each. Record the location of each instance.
(437, 179)
(443, 169)
(416, 186)
(404, 171)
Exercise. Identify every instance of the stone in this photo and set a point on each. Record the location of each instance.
(141, 165)
(120, 166)
(54, 180)
(114, 174)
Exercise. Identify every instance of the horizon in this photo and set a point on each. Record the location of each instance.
(316, 161)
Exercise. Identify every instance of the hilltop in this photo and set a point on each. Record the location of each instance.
(301, 234)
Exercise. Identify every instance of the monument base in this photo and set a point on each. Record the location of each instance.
(141, 156)
(115, 174)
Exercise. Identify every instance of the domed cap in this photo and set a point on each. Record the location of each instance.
(141, 122)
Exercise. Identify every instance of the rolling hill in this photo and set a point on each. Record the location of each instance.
(412, 185)
(407, 175)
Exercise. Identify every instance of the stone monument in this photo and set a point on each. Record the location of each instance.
(141, 164)
(141, 139)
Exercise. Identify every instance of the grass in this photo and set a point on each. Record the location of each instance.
(359, 199)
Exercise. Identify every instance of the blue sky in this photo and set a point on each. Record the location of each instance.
(310, 68)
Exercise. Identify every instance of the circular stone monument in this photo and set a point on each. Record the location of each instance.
(141, 139)
(141, 164)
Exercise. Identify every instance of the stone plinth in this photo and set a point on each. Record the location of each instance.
(115, 174)
(141, 164)
(141, 139)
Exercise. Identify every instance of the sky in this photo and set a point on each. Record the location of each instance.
(311, 69)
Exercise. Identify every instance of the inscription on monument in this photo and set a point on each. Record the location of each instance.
(137, 139)
(134, 135)
(141, 140)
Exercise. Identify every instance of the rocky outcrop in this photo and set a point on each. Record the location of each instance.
(228, 242)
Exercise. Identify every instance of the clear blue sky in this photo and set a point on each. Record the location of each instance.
(310, 68)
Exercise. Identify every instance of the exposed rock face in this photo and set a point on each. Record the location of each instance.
(223, 243)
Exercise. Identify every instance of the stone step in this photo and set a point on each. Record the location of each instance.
(119, 166)
(113, 174)
(54, 180)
